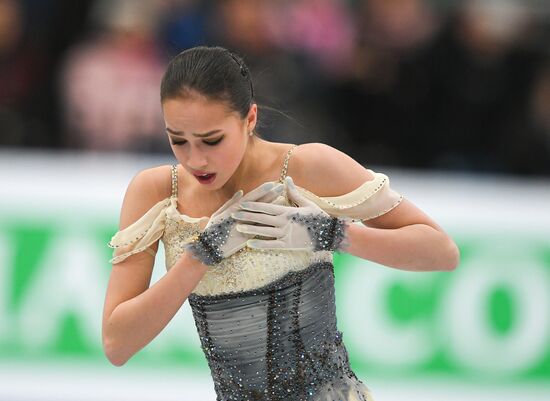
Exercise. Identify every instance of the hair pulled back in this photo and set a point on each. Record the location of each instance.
(213, 72)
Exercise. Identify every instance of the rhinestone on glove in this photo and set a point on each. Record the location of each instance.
(326, 233)
(207, 245)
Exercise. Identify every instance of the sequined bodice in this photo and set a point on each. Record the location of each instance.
(278, 342)
(266, 318)
(244, 270)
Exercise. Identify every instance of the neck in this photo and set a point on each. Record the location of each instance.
(250, 166)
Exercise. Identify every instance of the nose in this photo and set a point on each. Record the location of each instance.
(196, 160)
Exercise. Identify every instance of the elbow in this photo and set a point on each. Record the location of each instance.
(113, 354)
(452, 257)
(115, 361)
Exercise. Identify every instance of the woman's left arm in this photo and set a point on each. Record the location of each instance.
(404, 238)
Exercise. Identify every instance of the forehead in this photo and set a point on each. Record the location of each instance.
(196, 112)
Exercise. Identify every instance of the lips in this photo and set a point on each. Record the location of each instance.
(204, 177)
(201, 173)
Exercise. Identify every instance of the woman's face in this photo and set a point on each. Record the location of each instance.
(207, 138)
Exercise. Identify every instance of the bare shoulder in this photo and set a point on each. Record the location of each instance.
(147, 187)
(132, 276)
(325, 170)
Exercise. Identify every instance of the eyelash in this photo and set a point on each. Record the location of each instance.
(208, 143)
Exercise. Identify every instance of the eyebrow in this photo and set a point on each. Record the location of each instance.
(209, 133)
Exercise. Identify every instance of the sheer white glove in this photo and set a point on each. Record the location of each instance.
(220, 239)
(304, 227)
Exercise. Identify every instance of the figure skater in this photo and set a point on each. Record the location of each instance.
(249, 227)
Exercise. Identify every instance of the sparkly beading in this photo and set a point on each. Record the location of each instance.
(278, 342)
(207, 246)
(266, 318)
(285, 163)
(326, 233)
(246, 269)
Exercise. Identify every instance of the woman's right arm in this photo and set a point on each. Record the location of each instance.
(134, 313)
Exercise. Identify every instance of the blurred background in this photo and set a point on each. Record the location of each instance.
(450, 98)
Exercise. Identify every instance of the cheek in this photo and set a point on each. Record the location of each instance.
(179, 152)
(229, 160)
(231, 157)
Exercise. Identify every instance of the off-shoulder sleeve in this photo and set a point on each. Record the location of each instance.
(372, 199)
(138, 236)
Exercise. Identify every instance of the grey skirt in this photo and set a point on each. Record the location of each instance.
(278, 342)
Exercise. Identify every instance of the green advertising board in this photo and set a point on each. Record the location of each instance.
(488, 320)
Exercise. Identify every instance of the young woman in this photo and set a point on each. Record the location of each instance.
(249, 227)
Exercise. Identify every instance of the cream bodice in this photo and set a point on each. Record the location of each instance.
(248, 268)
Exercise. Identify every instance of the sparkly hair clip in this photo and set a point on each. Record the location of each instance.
(244, 71)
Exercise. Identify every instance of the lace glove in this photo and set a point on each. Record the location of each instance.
(305, 227)
(219, 238)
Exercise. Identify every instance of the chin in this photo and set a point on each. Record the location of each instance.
(218, 184)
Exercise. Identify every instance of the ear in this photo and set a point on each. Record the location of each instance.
(252, 117)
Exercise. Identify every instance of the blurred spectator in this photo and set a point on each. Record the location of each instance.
(184, 24)
(111, 81)
(20, 70)
(33, 34)
(381, 108)
(483, 74)
(450, 94)
(541, 103)
(12, 47)
(281, 79)
(409, 83)
(240, 23)
(322, 30)
(528, 152)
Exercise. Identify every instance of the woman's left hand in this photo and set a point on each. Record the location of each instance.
(304, 227)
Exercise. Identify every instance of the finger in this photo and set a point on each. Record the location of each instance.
(272, 194)
(265, 244)
(259, 191)
(295, 196)
(262, 190)
(235, 198)
(259, 218)
(275, 232)
(267, 208)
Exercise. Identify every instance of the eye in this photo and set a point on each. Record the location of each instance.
(209, 143)
(212, 143)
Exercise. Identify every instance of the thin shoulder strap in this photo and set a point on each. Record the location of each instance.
(174, 180)
(285, 163)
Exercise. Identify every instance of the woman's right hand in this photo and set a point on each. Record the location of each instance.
(220, 239)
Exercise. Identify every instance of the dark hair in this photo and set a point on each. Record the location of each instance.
(214, 72)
